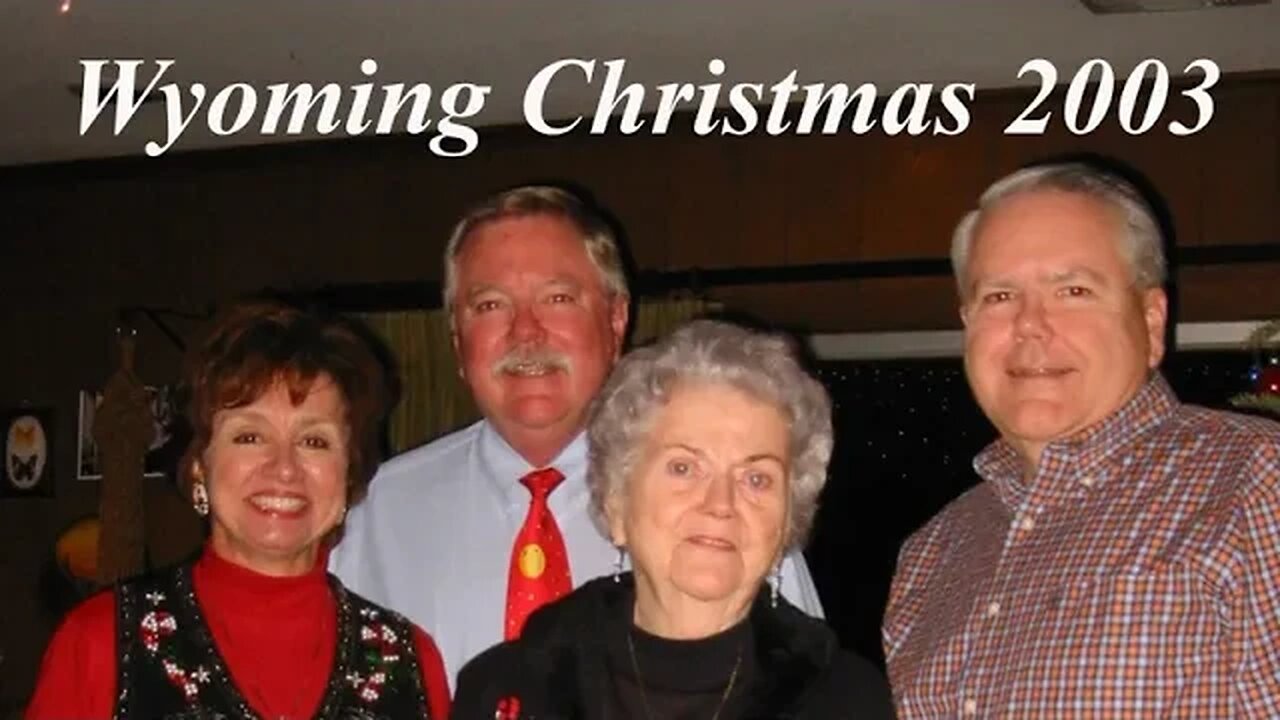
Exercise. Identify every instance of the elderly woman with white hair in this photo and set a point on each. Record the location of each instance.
(708, 453)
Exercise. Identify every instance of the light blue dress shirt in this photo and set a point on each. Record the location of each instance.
(433, 538)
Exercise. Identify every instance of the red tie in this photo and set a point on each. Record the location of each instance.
(539, 564)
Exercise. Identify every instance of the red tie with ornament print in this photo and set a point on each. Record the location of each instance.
(539, 564)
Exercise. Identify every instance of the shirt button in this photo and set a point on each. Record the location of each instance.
(1027, 523)
(970, 707)
(1087, 481)
(993, 609)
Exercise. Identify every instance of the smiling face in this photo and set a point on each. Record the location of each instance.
(536, 331)
(276, 476)
(1057, 336)
(705, 513)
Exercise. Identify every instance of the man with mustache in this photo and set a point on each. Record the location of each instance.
(1121, 557)
(471, 533)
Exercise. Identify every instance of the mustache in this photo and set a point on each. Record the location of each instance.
(519, 356)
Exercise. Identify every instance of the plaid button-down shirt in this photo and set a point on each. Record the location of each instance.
(1136, 575)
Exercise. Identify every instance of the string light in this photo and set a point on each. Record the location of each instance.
(917, 421)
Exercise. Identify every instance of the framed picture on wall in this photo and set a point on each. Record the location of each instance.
(28, 452)
(159, 452)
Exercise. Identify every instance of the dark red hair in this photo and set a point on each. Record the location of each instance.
(253, 345)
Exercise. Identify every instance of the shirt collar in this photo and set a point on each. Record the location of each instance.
(503, 467)
(1080, 457)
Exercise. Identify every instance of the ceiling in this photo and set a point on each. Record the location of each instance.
(502, 44)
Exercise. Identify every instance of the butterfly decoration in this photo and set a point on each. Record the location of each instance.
(27, 452)
(23, 469)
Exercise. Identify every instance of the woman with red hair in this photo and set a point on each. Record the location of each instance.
(285, 408)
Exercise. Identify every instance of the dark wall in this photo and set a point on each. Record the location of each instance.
(184, 232)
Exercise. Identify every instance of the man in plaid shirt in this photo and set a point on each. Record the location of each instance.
(1121, 558)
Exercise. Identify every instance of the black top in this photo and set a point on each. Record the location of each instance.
(573, 662)
(654, 677)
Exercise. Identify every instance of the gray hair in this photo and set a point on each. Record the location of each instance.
(597, 235)
(1140, 244)
(762, 365)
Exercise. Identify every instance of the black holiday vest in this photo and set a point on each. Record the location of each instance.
(169, 667)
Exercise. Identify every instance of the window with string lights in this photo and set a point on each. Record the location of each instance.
(906, 434)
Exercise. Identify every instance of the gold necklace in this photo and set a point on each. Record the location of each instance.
(644, 698)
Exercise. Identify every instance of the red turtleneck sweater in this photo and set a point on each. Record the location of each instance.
(272, 633)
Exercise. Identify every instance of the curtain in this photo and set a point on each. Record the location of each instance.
(433, 398)
(655, 318)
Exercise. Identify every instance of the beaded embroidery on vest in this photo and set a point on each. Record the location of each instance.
(168, 666)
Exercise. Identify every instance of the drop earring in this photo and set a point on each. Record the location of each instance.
(775, 586)
(618, 564)
(200, 498)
